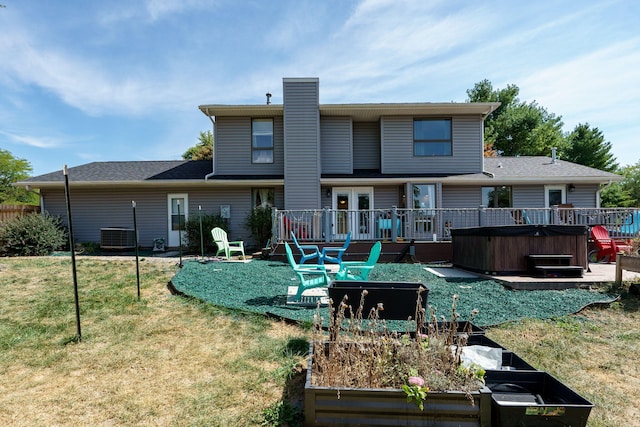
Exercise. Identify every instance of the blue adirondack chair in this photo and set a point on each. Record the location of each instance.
(359, 270)
(337, 251)
(631, 227)
(309, 275)
(308, 252)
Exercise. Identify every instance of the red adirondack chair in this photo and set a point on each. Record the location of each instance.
(607, 247)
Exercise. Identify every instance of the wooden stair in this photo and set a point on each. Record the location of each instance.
(553, 266)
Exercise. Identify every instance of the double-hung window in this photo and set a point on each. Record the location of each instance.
(262, 141)
(432, 137)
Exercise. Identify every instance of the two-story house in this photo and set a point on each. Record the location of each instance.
(411, 170)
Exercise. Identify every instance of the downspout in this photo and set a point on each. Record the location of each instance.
(598, 193)
(213, 169)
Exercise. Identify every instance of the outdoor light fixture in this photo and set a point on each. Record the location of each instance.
(328, 192)
(572, 188)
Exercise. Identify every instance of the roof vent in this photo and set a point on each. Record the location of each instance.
(500, 165)
(268, 98)
(553, 156)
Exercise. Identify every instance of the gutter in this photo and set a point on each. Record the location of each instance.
(213, 163)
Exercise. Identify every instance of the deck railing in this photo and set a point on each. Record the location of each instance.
(329, 225)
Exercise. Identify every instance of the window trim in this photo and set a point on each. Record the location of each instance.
(433, 141)
(255, 149)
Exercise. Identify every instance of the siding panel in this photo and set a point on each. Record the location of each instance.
(336, 145)
(397, 147)
(112, 208)
(233, 148)
(461, 197)
(302, 144)
(366, 145)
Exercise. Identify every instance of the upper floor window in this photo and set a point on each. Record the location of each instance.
(432, 137)
(262, 141)
(496, 197)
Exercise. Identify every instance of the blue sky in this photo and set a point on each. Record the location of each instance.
(84, 81)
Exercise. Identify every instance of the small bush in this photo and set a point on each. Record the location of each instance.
(260, 223)
(32, 234)
(192, 230)
(282, 413)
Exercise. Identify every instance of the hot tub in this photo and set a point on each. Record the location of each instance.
(504, 249)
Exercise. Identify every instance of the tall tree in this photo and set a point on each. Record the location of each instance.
(13, 170)
(517, 128)
(587, 146)
(626, 192)
(203, 150)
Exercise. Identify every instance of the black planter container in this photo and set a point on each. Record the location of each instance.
(534, 398)
(398, 298)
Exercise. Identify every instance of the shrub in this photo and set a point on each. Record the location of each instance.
(33, 234)
(260, 223)
(192, 230)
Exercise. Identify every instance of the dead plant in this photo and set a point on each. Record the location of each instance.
(360, 351)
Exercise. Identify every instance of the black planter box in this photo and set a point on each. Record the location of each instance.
(510, 360)
(483, 340)
(398, 298)
(513, 362)
(534, 398)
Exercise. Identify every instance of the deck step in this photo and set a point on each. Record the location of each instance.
(553, 265)
(559, 271)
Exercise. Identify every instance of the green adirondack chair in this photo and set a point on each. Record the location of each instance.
(309, 275)
(359, 270)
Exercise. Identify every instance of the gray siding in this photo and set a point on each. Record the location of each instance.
(584, 196)
(301, 143)
(336, 145)
(232, 144)
(386, 197)
(461, 197)
(527, 196)
(366, 145)
(93, 210)
(397, 147)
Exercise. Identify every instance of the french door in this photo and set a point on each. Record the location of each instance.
(178, 212)
(352, 212)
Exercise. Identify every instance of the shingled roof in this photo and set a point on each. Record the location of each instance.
(131, 171)
(497, 170)
(541, 166)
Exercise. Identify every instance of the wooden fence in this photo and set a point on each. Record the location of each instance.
(9, 212)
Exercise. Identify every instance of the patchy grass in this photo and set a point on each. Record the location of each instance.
(176, 361)
(594, 352)
(163, 360)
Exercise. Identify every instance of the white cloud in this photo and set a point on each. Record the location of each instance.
(592, 87)
(34, 141)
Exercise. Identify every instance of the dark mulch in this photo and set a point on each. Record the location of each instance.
(260, 286)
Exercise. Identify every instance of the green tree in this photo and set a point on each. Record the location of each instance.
(587, 146)
(13, 170)
(517, 128)
(203, 150)
(625, 193)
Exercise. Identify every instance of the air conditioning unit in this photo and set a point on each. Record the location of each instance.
(117, 238)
